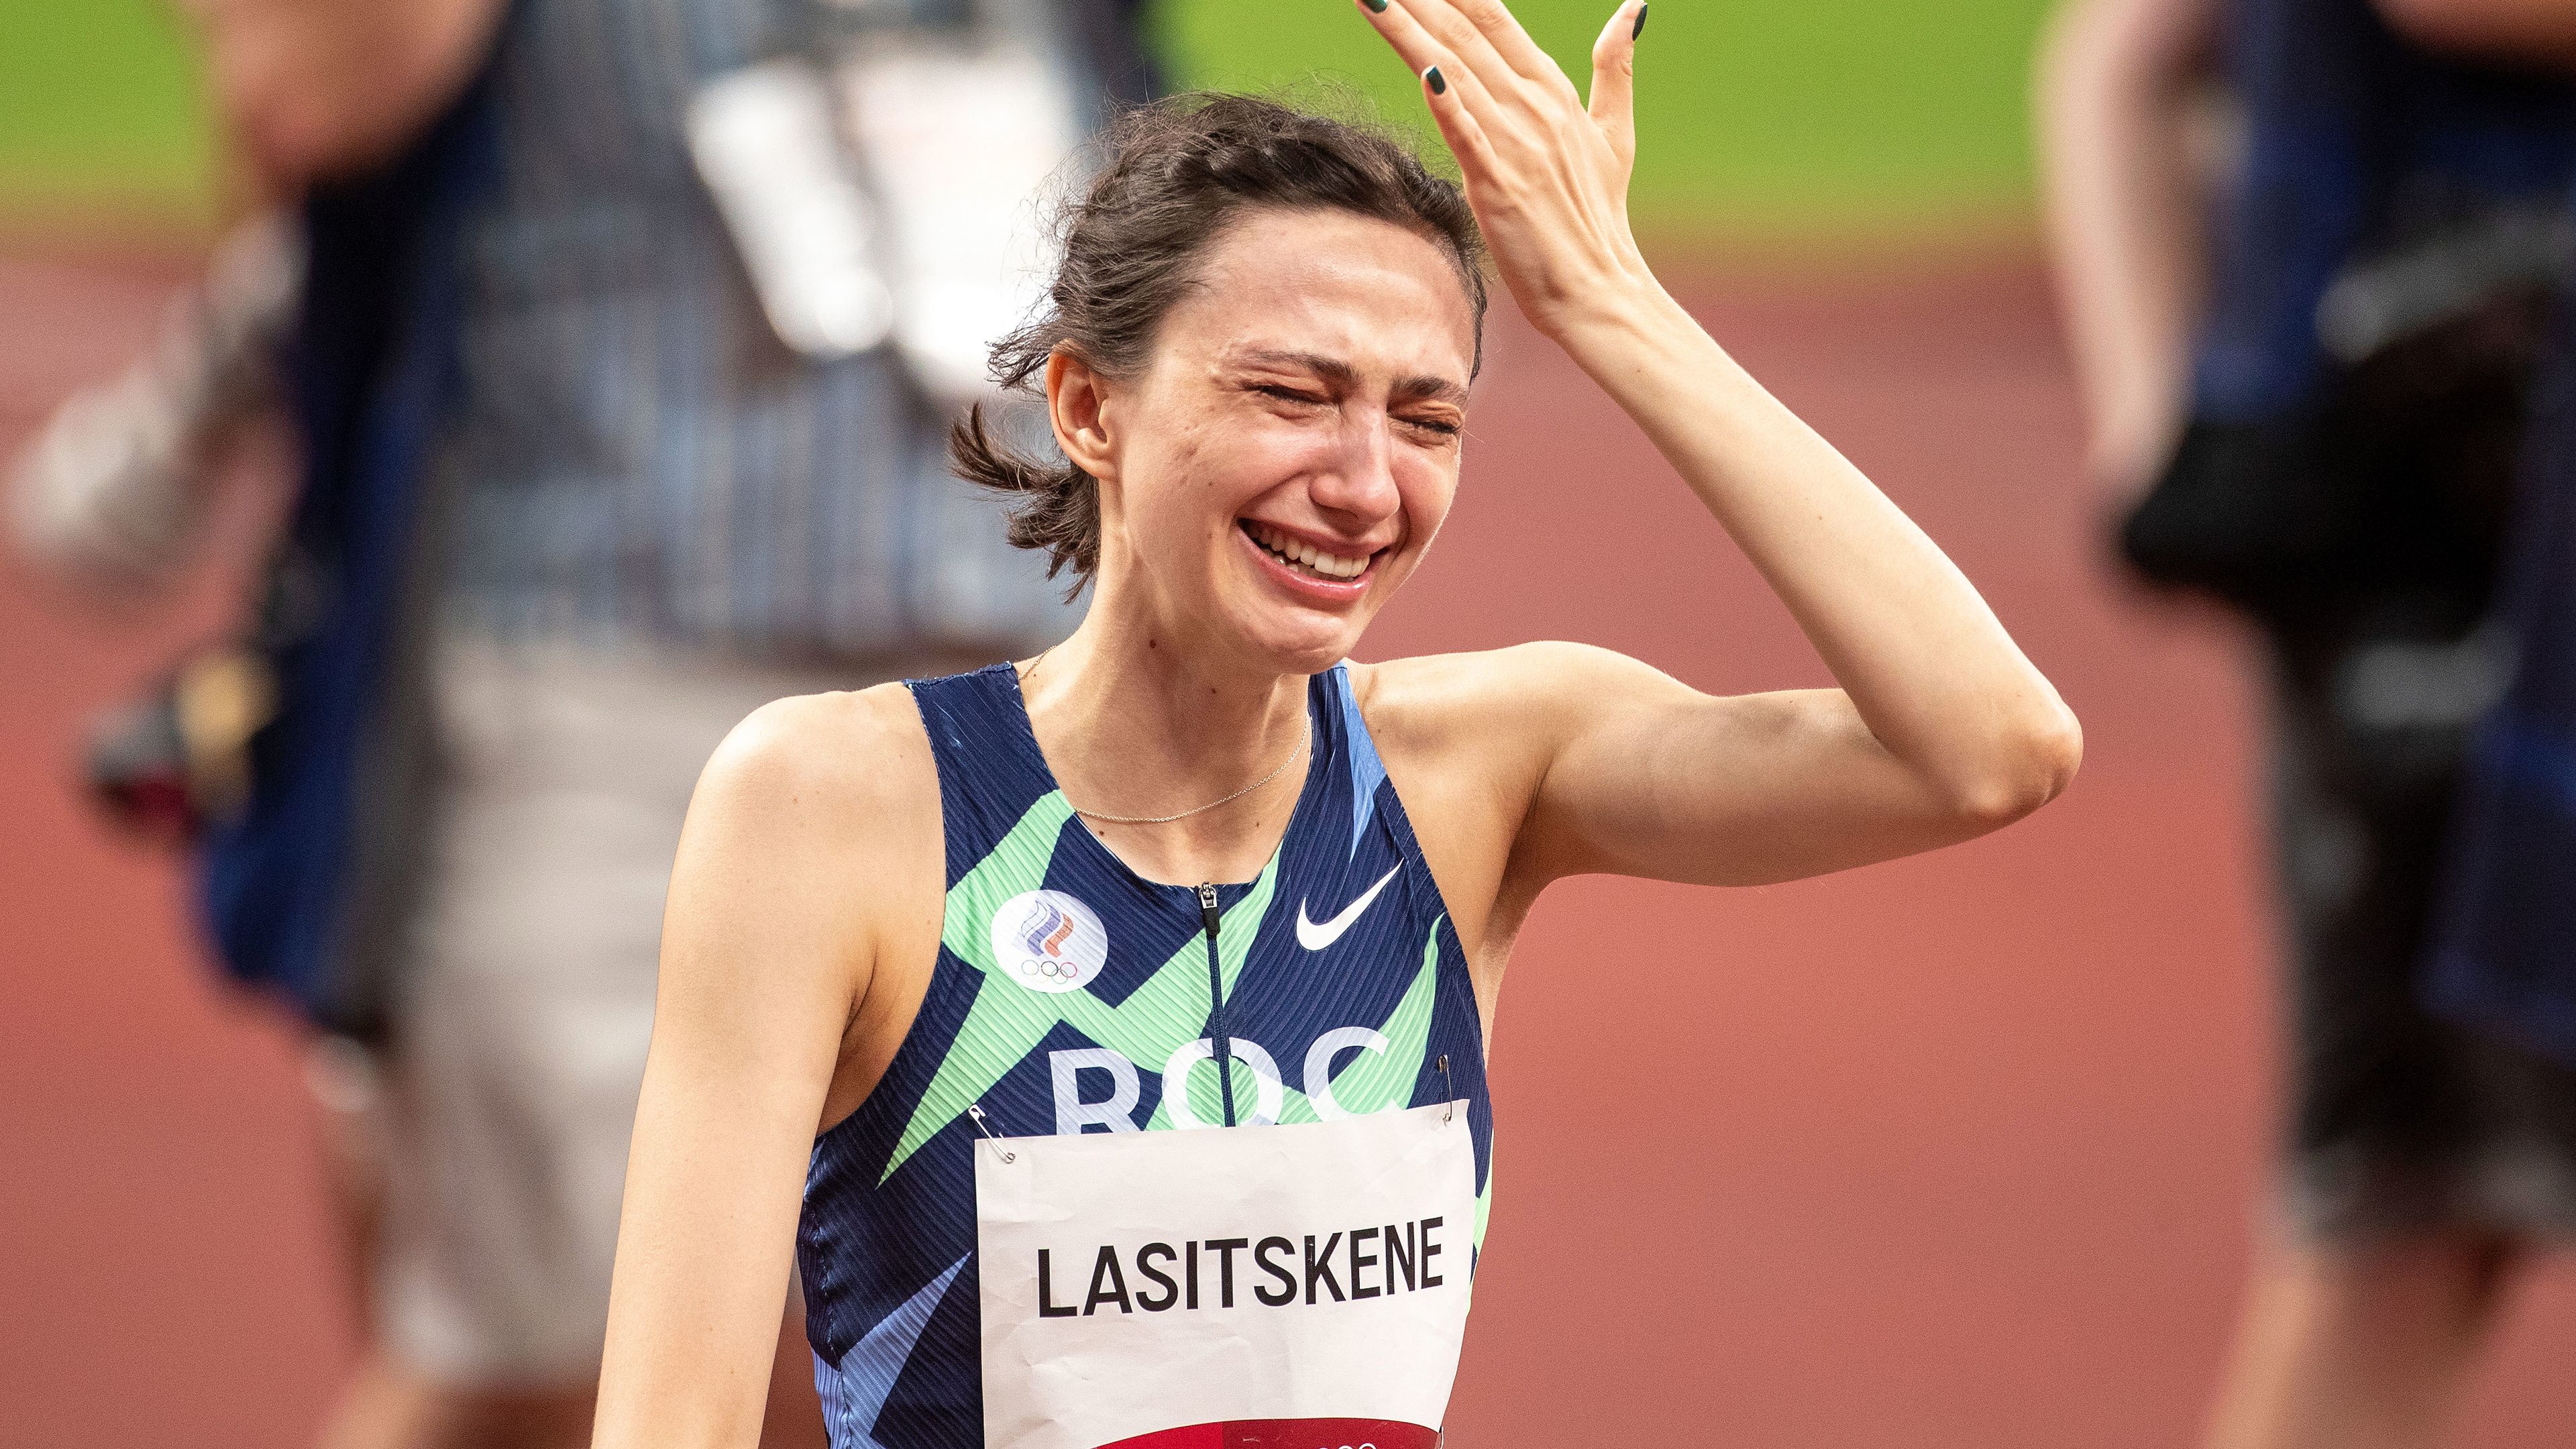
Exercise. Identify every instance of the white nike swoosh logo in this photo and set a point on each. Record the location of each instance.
(1316, 937)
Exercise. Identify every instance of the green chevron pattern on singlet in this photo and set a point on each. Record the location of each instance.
(1372, 1082)
(1006, 1021)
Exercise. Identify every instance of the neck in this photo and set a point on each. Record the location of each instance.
(1135, 723)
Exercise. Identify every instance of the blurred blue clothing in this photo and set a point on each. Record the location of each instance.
(2354, 140)
(2504, 953)
(371, 371)
(2362, 491)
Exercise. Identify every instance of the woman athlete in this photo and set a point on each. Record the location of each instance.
(1004, 937)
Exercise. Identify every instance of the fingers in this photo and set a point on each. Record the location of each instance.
(1461, 51)
(1458, 96)
(1460, 127)
(1491, 22)
(1614, 77)
(1486, 40)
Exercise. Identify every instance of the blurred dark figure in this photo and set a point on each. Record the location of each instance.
(2505, 950)
(2310, 400)
(619, 339)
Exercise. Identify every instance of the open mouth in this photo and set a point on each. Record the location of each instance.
(1301, 557)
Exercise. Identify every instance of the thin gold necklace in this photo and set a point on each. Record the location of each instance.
(1212, 804)
(1105, 818)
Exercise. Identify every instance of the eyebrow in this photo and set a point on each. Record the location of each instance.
(1341, 374)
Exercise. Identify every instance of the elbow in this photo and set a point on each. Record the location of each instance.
(2031, 764)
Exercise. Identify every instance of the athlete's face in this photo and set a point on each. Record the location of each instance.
(1284, 461)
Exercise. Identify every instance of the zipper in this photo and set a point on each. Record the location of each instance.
(1217, 1038)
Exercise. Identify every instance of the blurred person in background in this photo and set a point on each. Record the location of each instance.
(583, 481)
(2504, 956)
(2307, 403)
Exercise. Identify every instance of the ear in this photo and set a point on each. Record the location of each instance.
(1077, 406)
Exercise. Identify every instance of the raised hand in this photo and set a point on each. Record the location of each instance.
(1547, 174)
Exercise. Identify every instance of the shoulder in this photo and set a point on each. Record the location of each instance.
(1470, 739)
(818, 788)
(824, 753)
(1495, 720)
(1525, 696)
(812, 844)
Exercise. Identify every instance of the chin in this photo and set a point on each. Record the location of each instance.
(1299, 646)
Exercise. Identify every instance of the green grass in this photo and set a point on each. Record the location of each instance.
(1757, 117)
(99, 108)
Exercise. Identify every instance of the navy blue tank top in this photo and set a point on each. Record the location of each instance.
(1069, 991)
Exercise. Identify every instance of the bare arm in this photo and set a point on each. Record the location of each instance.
(2127, 214)
(767, 958)
(318, 89)
(2536, 32)
(1942, 728)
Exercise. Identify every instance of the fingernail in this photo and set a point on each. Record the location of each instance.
(1439, 83)
(1378, 6)
(1632, 35)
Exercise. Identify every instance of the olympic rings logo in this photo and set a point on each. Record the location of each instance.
(1039, 968)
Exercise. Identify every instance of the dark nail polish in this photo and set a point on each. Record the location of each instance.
(1377, 5)
(1641, 23)
(1439, 83)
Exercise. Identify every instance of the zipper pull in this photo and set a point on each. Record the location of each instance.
(1207, 909)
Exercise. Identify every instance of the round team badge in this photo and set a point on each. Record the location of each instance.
(1049, 941)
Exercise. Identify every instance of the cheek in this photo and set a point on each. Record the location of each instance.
(1193, 484)
(1426, 488)
(1224, 468)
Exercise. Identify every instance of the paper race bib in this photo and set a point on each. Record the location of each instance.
(1298, 1287)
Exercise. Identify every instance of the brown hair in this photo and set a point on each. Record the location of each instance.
(1175, 173)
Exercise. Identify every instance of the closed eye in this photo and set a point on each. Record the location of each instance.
(1441, 427)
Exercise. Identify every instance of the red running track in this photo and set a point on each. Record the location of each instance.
(1960, 1153)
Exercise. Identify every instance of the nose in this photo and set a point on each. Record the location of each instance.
(1358, 483)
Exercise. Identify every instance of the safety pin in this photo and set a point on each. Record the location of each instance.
(976, 1111)
(1449, 1092)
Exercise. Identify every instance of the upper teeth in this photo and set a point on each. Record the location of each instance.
(1298, 550)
